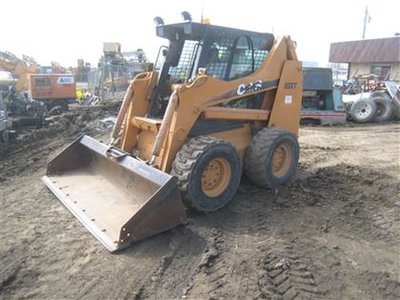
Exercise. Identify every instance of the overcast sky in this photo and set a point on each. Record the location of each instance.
(63, 31)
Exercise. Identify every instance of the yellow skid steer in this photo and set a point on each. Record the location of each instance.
(221, 101)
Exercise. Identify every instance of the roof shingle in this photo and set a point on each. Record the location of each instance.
(376, 50)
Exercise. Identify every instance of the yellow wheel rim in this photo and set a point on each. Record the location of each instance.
(215, 177)
(281, 160)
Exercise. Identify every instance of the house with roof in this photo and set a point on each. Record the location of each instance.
(380, 57)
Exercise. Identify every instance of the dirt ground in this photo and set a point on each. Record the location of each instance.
(333, 233)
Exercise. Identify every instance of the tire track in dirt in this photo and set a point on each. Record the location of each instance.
(386, 287)
(136, 270)
(332, 233)
(186, 253)
(285, 275)
(241, 228)
(357, 200)
(69, 257)
(366, 201)
(229, 275)
(249, 217)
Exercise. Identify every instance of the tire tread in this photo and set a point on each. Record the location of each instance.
(185, 161)
(257, 152)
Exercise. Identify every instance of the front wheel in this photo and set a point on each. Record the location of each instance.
(271, 158)
(208, 171)
(363, 110)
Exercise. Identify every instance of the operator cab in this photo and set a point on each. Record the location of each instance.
(225, 53)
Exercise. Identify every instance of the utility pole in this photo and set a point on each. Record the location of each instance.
(202, 10)
(367, 19)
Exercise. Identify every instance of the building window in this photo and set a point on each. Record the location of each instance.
(383, 71)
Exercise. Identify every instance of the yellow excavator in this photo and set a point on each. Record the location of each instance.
(224, 101)
(19, 68)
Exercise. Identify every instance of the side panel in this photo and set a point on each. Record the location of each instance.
(240, 138)
(286, 111)
(52, 86)
(338, 104)
(317, 79)
(39, 86)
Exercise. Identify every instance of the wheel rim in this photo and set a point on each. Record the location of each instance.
(364, 111)
(281, 160)
(215, 177)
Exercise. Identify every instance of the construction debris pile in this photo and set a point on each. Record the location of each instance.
(30, 93)
(117, 69)
(94, 120)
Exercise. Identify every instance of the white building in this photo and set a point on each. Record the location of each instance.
(377, 56)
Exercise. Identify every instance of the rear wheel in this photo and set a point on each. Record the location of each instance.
(271, 159)
(208, 171)
(385, 109)
(380, 94)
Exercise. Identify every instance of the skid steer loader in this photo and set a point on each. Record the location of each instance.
(224, 100)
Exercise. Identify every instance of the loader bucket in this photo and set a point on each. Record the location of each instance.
(118, 198)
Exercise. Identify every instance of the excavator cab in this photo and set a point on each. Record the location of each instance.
(224, 101)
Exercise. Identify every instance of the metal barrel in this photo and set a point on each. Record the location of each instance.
(118, 198)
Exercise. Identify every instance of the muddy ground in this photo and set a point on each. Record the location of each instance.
(333, 233)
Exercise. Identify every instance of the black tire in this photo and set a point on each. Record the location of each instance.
(57, 107)
(258, 163)
(396, 107)
(54, 111)
(380, 94)
(385, 109)
(195, 157)
(363, 111)
(61, 105)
